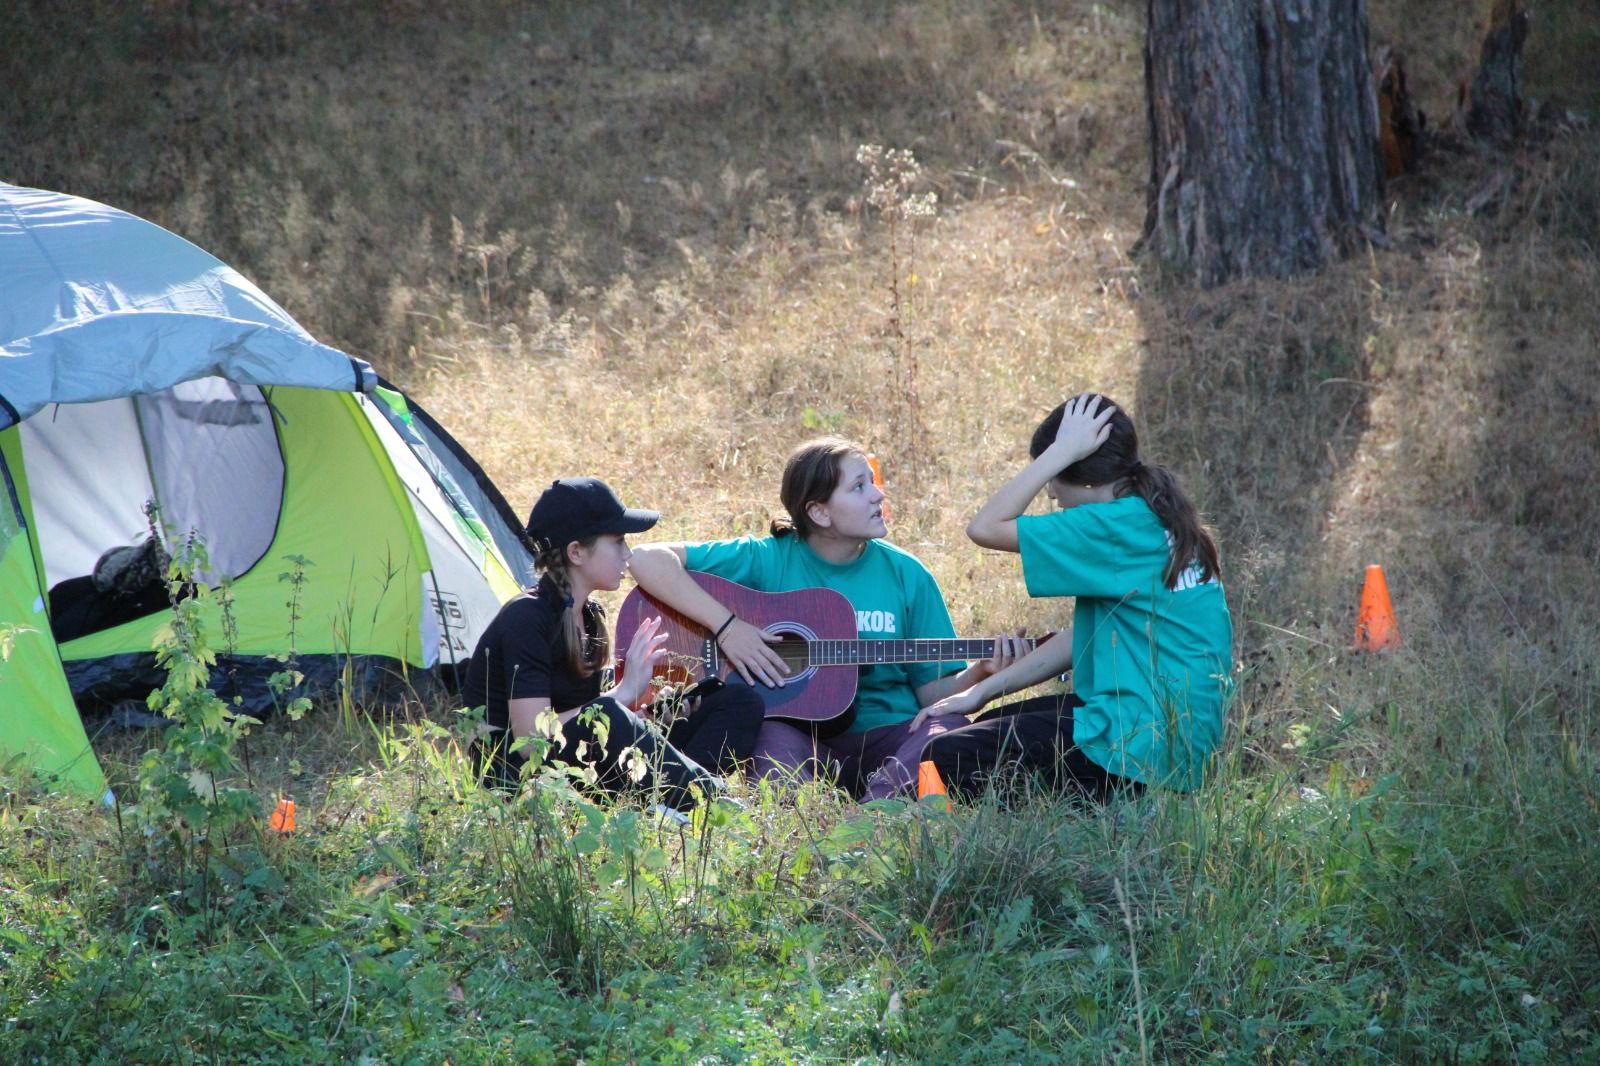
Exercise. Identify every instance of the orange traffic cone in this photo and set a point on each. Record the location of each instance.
(877, 479)
(929, 783)
(282, 820)
(1375, 625)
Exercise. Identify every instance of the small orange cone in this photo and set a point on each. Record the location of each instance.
(929, 783)
(1375, 625)
(282, 820)
(877, 479)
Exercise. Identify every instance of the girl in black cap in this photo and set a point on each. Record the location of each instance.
(544, 652)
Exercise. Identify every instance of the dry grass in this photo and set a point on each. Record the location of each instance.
(1393, 855)
(368, 161)
(1441, 43)
(694, 411)
(631, 241)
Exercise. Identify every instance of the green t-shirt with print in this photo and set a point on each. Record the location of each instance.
(1151, 664)
(894, 596)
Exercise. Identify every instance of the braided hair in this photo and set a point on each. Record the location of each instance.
(584, 653)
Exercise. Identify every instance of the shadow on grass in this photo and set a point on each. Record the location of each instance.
(1427, 406)
(1256, 394)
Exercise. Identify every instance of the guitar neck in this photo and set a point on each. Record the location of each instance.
(814, 627)
(864, 652)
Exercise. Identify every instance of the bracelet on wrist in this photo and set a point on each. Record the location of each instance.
(723, 628)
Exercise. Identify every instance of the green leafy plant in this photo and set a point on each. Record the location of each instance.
(284, 683)
(190, 818)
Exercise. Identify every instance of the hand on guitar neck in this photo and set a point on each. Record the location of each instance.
(1046, 658)
(812, 632)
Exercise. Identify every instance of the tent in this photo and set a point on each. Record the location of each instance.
(149, 393)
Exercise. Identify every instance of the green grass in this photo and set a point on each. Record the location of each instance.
(1439, 913)
(1394, 859)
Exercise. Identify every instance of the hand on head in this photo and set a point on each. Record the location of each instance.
(1085, 424)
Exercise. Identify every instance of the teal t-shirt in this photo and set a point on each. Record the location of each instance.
(1152, 664)
(894, 595)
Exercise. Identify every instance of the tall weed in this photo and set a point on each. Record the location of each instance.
(195, 825)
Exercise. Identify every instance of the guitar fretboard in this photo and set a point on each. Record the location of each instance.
(861, 652)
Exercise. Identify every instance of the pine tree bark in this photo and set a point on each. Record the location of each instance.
(1494, 108)
(1264, 152)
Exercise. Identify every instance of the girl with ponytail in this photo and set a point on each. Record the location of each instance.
(1151, 642)
(833, 537)
(545, 652)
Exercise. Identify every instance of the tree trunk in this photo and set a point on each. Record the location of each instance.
(1264, 154)
(1495, 102)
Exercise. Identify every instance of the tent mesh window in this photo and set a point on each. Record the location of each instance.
(205, 451)
(217, 468)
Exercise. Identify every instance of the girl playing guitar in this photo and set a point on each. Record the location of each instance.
(833, 539)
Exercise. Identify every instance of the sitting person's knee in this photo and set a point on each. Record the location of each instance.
(743, 702)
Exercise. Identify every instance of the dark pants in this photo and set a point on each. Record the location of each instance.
(718, 733)
(720, 730)
(882, 762)
(796, 751)
(78, 609)
(1031, 737)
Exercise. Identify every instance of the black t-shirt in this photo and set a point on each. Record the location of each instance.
(516, 658)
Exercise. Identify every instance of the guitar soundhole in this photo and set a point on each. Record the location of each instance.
(792, 648)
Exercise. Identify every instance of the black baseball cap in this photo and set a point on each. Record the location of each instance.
(576, 508)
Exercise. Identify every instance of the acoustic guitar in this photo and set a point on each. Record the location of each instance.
(817, 641)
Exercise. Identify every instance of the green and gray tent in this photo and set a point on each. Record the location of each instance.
(136, 369)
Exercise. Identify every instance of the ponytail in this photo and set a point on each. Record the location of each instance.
(1116, 461)
(1192, 542)
(583, 654)
(810, 475)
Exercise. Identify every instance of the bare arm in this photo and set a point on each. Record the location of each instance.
(1006, 646)
(941, 688)
(1045, 661)
(995, 524)
(1082, 431)
(524, 714)
(659, 570)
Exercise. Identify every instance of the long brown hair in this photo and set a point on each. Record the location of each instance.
(1117, 462)
(583, 653)
(810, 475)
